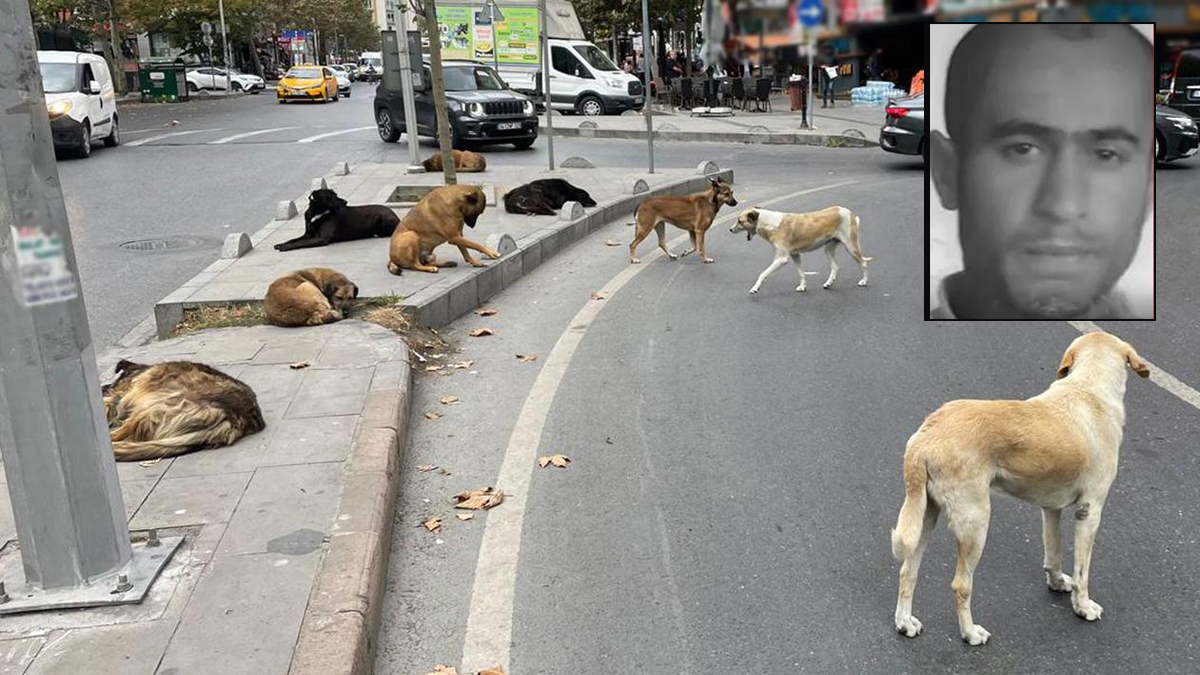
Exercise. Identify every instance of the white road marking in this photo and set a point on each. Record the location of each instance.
(489, 623)
(227, 139)
(1158, 376)
(318, 137)
(144, 141)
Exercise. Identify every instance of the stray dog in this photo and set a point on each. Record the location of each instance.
(437, 219)
(309, 297)
(794, 233)
(694, 213)
(1057, 449)
(544, 197)
(173, 408)
(328, 220)
(464, 161)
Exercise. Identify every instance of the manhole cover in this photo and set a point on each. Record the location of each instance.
(165, 244)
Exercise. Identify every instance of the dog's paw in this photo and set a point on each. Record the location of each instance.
(709, 260)
(1087, 609)
(672, 256)
(801, 288)
(635, 261)
(687, 253)
(1060, 583)
(493, 255)
(908, 626)
(753, 290)
(477, 263)
(827, 285)
(976, 635)
(862, 282)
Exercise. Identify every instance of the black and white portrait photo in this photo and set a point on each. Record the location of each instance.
(1041, 171)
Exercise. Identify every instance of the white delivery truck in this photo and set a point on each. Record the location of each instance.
(583, 79)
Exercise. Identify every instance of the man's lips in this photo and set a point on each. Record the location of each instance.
(1056, 248)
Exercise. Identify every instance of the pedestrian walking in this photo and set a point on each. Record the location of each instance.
(828, 75)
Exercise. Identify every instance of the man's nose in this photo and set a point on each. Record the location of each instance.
(1065, 188)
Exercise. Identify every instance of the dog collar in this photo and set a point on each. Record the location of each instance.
(319, 216)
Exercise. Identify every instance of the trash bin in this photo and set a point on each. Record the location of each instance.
(798, 92)
(162, 80)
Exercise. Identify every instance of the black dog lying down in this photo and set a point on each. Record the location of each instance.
(543, 197)
(328, 220)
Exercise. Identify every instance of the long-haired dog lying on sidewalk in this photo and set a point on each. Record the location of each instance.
(173, 408)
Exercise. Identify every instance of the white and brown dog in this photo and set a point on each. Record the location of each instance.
(1057, 450)
(794, 233)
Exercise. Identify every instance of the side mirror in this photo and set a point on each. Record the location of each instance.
(93, 87)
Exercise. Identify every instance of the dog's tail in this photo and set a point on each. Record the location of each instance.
(907, 533)
(854, 236)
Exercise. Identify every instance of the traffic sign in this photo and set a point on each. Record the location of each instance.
(811, 13)
(208, 41)
(206, 28)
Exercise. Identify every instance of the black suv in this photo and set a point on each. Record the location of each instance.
(481, 108)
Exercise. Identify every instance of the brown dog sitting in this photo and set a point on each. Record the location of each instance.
(309, 297)
(464, 161)
(438, 219)
(694, 213)
(168, 409)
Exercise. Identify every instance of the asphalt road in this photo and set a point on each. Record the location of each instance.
(736, 464)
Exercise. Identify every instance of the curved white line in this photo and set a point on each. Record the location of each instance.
(227, 139)
(1158, 376)
(318, 137)
(489, 623)
(159, 137)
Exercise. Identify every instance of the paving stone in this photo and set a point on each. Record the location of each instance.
(337, 392)
(274, 385)
(191, 500)
(279, 504)
(289, 352)
(16, 655)
(311, 439)
(128, 649)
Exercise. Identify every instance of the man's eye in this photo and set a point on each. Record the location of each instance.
(1107, 155)
(1021, 150)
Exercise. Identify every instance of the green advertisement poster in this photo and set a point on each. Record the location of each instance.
(455, 27)
(517, 35)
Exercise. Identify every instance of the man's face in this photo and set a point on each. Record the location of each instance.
(1052, 180)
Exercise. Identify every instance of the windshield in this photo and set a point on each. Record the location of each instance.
(471, 79)
(58, 78)
(371, 62)
(304, 73)
(598, 59)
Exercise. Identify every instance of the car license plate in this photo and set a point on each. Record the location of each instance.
(637, 100)
(1193, 94)
(508, 126)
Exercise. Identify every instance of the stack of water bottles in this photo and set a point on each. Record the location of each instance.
(875, 93)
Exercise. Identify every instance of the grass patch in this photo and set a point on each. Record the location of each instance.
(203, 318)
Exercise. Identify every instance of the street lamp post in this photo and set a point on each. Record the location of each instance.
(490, 5)
(646, 60)
(225, 45)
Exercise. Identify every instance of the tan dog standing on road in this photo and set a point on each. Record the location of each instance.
(694, 213)
(794, 233)
(464, 161)
(438, 219)
(1057, 449)
(309, 297)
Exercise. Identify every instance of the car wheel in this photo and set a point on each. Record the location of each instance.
(85, 143)
(591, 106)
(113, 139)
(1157, 150)
(237, 86)
(192, 88)
(387, 131)
(282, 101)
(924, 151)
(524, 144)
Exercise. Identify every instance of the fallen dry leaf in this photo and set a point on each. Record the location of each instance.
(481, 332)
(427, 467)
(431, 369)
(599, 296)
(433, 524)
(299, 364)
(444, 670)
(485, 311)
(479, 499)
(561, 461)
(465, 516)
(444, 472)
(462, 364)
(449, 400)
(526, 358)
(612, 242)
(433, 415)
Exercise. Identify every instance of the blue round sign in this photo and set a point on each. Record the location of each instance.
(811, 13)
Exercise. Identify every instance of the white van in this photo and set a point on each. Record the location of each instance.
(584, 80)
(80, 100)
(370, 66)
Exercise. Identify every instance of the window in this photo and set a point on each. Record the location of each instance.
(58, 78)
(87, 76)
(598, 59)
(566, 62)
(1189, 64)
(471, 79)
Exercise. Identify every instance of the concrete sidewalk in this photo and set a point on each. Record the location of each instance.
(844, 125)
(285, 531)
(435, 299)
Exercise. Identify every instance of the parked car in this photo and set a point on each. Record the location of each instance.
(308, 83)
(352, 70)
(214, 79)
(343, 81)
(370, 66)
(1180, 85)
(903, 129)
(341, 68)
(481, 108)
(79, 100)
(1175, 134)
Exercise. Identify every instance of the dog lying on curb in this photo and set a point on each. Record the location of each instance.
(173, 408)
(328, 220)
(309, 297)
(544, 197)
(1057, 450)
(794, 233)
(464, 161)
(694, 213)
(438, 219)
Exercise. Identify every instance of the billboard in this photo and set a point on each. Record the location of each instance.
(467, 34)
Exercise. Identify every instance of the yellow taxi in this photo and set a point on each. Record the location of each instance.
(308, 83)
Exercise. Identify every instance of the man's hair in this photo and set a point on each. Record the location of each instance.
(965, 80)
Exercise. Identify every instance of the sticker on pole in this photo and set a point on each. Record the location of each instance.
(42, 269)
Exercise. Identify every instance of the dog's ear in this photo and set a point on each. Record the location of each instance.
(752, 216)
(1068, 360)
(124, 366)
(338, 202)
(1135, 361)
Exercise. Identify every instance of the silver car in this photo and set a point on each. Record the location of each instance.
(904, 128)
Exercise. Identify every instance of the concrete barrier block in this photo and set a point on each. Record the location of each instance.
(489, 281)
(341, 169)
(638, 186)
(320, 184)
(511, 269)
(237, 244)
(576, 163)
(571, 211)
(464, 297)
(501, 243)
(707, 167)
(285, 210)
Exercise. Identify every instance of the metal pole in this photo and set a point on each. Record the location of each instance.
(62, 478)
(647, 110)
(406, 91)
(546, 81)
(812, 83)
(495, 42)
(224, 44)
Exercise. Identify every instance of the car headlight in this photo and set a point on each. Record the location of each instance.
(615, 84)
(1182, 122)
(475, 109)
(528, 106)
(58, 108)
